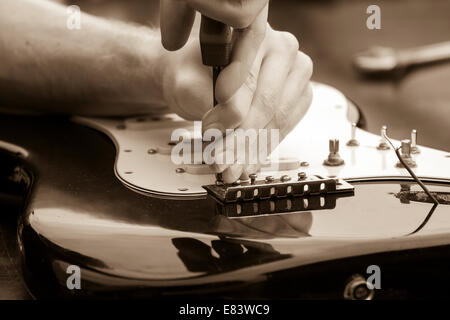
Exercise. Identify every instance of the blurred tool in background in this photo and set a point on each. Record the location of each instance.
(386, 61)
(216, 45)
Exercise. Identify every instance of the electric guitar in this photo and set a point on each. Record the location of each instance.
(104, 196)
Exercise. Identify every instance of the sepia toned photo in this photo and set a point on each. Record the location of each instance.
(218, 158)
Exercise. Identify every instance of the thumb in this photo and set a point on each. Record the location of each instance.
(176, 23)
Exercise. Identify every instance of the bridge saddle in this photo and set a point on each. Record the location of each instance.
(277, 188)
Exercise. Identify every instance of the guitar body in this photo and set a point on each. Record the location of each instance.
(133, 240)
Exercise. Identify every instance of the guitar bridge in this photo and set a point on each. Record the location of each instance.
(259, 208)
(277, 189)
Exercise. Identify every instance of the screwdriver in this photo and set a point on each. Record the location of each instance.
(216, 45)
(216, 40)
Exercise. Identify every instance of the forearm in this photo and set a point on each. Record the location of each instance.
(105, 67)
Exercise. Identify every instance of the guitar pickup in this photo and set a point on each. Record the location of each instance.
(277, 189)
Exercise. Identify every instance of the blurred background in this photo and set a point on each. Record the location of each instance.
(331, 32)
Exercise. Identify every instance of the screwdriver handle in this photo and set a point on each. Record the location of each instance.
(216, 40)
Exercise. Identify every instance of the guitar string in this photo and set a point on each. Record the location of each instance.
(421, 184)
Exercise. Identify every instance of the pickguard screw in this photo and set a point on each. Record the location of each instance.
(302, 175)
(304, 164)
(152, 151)
(269, 179)
(180, 170)
(285, 178)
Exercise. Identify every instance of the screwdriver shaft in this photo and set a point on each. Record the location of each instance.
(216, 72)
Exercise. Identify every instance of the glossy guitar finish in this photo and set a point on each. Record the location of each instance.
(128, 244)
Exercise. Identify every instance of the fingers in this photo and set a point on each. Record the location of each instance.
(232, 173)
(296, 110)
(187, 84)
(177, 18)
(246, 47)
(271, 82)
(294, 102)
(297, 98)
(230, 114)
(270, 87)
(248, 17)
(261, 92)
(236, 13)
(183, 97)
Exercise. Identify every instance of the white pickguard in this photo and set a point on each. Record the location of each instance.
(309, 141)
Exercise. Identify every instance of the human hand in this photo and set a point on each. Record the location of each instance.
(248, 18)
(275, 95)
